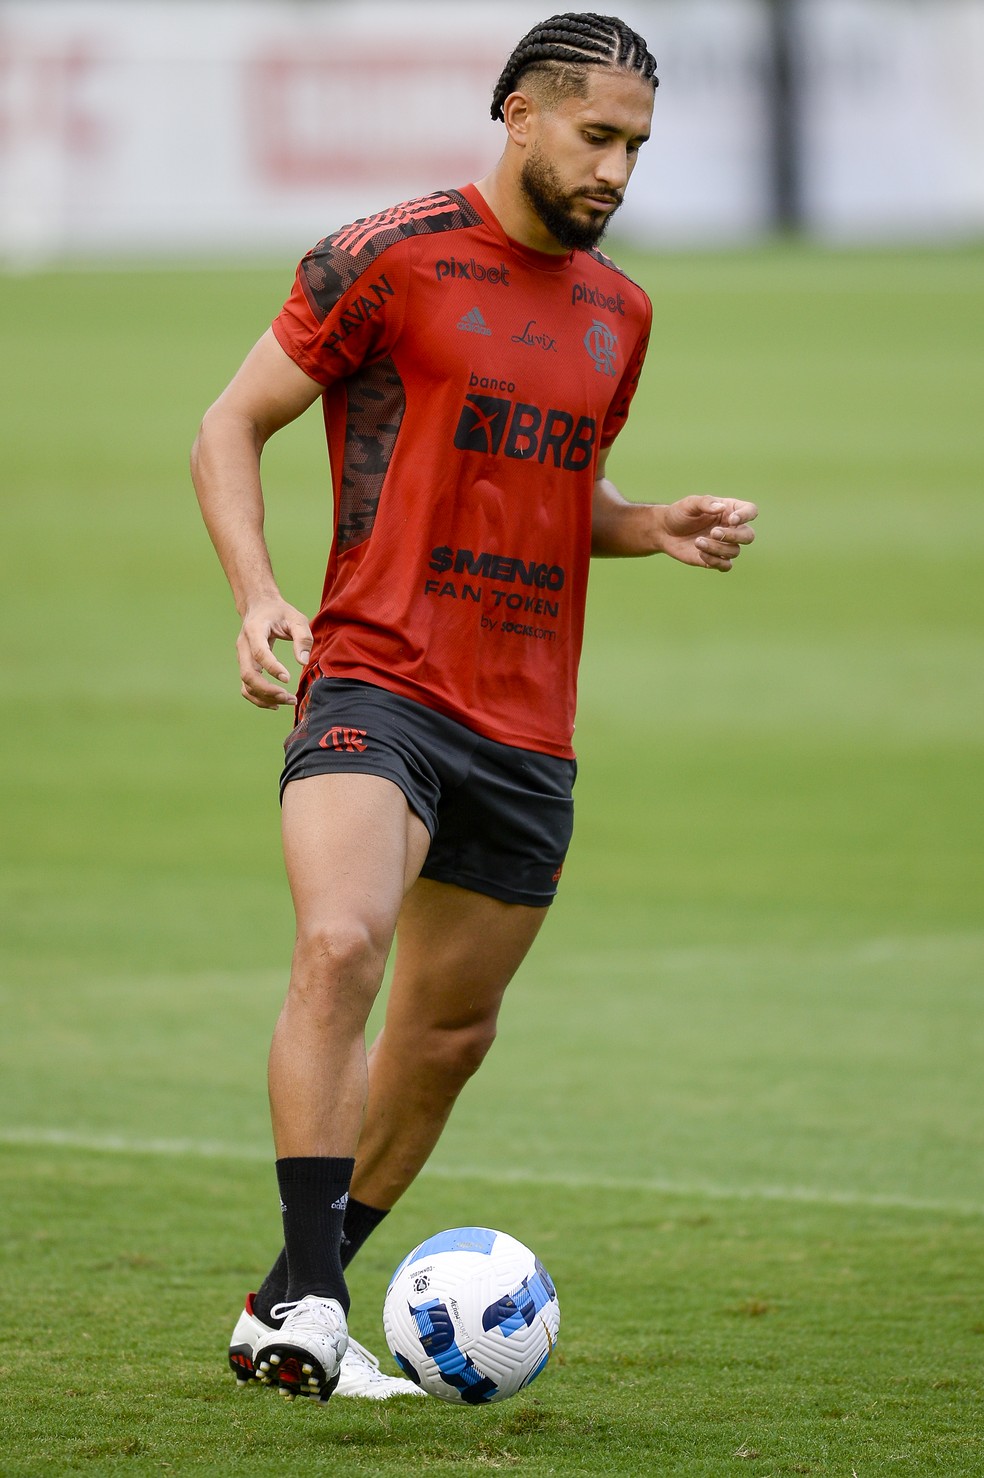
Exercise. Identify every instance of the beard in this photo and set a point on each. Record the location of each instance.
(541, 185)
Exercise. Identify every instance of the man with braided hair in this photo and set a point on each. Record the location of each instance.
(476, 356)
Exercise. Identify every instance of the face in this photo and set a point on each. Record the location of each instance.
(580, 154)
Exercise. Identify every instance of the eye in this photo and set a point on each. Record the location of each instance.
(596, 138)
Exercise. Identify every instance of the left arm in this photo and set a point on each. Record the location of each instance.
(702, 531)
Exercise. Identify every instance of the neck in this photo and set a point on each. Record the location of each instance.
(501, 191)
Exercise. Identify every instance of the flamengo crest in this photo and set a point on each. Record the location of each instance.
(602, 345)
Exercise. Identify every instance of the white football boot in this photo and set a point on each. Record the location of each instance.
(246, 1336)
(304, 1355)
(359, 1373)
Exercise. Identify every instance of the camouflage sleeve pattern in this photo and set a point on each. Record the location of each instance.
(349, 294)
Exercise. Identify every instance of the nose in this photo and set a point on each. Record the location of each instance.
(612, 168)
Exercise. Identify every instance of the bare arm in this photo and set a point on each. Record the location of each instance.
(268, 391)
(698, 530)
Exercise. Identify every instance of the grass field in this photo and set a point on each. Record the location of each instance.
(736, 1102)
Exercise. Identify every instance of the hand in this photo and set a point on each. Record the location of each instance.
(265, 622)
(707, 531)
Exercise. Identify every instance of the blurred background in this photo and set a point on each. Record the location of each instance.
(229, 127)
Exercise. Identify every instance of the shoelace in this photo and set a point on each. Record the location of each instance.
(281, 1311)
(361, 1353)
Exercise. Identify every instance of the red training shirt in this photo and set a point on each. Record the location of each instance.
(470, 384)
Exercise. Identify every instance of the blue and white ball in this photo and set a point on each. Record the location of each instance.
(471, 1316)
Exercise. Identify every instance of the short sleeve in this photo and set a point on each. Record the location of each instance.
(618, 411)
(339, 317)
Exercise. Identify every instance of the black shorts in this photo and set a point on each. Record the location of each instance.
(500, 819)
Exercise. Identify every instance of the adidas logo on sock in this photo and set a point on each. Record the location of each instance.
(474, 323)
(341, 1203)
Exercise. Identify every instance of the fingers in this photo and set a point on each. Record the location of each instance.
(257, 660)
(721, 546)
(697, 513)
(264, 695)
(699, 509)
(733, 511)
(298, 631)
(303, 640)
(708, 531)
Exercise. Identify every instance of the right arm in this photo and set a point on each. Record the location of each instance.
(268, 392)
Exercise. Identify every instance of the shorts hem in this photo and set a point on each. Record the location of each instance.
(489, 888)
(376, 770)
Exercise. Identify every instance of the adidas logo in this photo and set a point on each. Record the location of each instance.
(474, 323)
(341, 1203)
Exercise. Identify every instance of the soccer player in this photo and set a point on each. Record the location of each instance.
(475, 355)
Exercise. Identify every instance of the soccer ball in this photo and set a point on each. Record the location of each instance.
(471, 1316)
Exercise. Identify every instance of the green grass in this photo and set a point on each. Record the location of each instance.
(735, 1103)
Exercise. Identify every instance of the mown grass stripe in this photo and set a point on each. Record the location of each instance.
(118, 1144)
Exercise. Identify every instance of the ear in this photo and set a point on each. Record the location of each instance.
(519, 113)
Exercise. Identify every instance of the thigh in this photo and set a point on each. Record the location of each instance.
(504, 830)
(352, 847)
(456, 952)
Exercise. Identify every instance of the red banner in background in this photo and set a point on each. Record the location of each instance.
(330, 117)
(45, 92)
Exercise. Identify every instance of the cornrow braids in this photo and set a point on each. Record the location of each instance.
(573, 41)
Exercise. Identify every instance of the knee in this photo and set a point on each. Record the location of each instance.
(454, 1053)
(337, 953)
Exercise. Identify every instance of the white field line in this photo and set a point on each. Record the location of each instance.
(204, 1149)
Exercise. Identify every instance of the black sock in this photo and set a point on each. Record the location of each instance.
(273, 1290)
(313, 1197)
(360, 1221)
